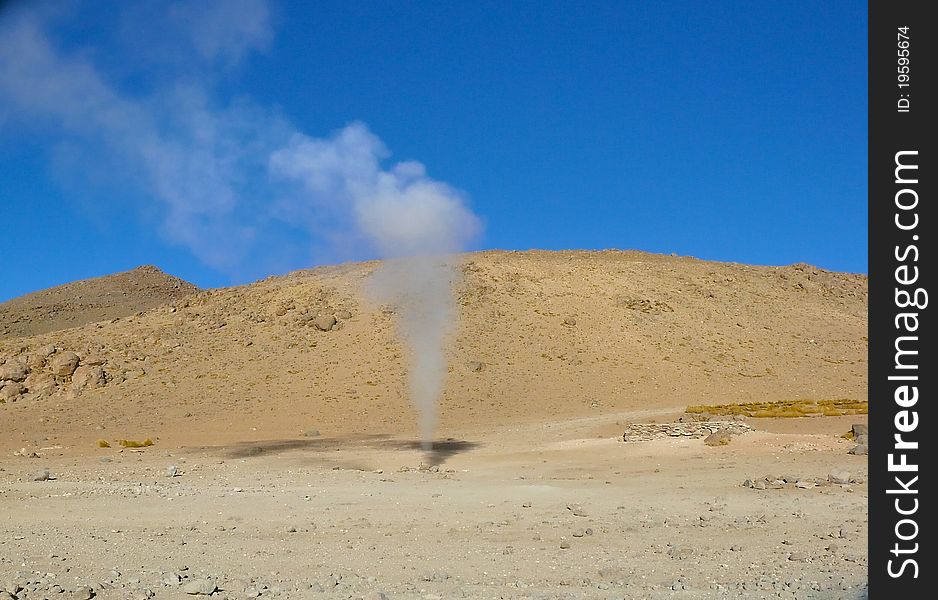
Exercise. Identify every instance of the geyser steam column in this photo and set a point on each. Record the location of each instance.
(415, 223)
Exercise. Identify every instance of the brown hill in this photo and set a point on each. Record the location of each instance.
(540, 336)
(89, 301)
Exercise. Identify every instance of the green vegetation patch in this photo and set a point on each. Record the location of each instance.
(785, 408)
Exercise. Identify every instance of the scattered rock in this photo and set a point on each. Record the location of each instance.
(860, 450)
(374, 595)
(311, 433)
(88, 377)
(36, 361)
(84, 592)
(324, 322)
(569, 321)
(64, 364)
(805, 485)
(719, 438)
(11, 390)
(204, 587)
(859, 429)
(40, 383)
(172, 471)
(577, 510)
(94, 360)
(643, 432)
(475, 366)
(343, 314)
(42, 475)
(13, 370)
(839, 477)
(564, 544)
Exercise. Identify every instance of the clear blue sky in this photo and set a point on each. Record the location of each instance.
(731, 131)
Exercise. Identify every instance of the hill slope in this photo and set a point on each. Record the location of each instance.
(90, 300)
(540, 336)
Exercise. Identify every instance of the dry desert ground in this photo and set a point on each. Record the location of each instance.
(286, 461)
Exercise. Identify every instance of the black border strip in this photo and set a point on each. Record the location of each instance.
(901, 268)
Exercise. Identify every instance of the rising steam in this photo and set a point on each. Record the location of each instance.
(412, 221)
(232, 181)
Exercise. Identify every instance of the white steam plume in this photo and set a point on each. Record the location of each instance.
(222, 173)
(414, 222)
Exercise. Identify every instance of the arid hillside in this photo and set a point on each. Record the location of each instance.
(540, 336)
(90, 300)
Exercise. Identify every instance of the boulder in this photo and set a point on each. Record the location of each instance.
(35, 361)
(860, 450)
(13, 370)
(718, 438)
(40, 383)
(11, 390)
(86, 377)
(859, 429)
(65, 363)
(204, 587)
(324, 322)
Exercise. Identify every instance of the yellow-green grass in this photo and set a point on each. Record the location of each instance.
(785, 408)
(135, 444)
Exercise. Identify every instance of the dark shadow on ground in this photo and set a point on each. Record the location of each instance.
(437, 454)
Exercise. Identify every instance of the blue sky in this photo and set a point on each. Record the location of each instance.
(205, 141)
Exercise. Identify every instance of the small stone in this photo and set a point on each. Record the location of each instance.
(859, 429)
(860, 450)
(88, 377)
(375, 595)
(84, 592)
(839, 477)
(12, 587)
(13, 370)
(798, 556)
(569, 321)
(40, 383)
(564, 544)
(64, 364)
(577, 510)
(172, 471)
(718, 438)
(310, 433)
(324, 322)
(204, 587)
(475, 366)
(42, 475)
(805, 485)
(11, 390)
(759, 485)
(291, 529)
